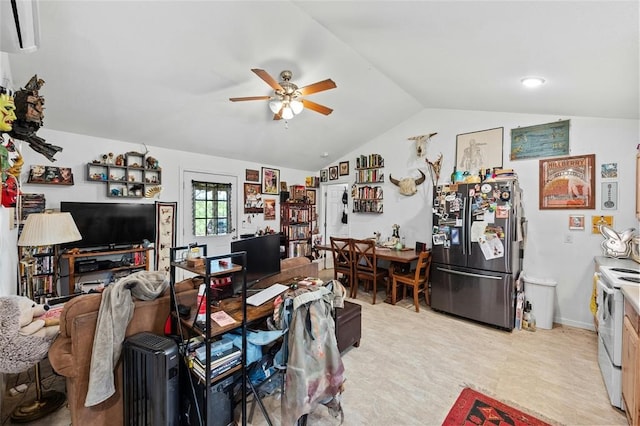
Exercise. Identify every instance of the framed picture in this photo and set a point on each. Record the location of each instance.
(479, 150)
(270, 209)
(165, 234)
(609, 196)
(252, 175)
(270, 181)
(311, 196)
(596, 221)
(333, 172)
(576, 221)
(542, 140)
(253, 198)
(324, 175)
(567, 183)
(344, 168)
(609, 170)
(283, 186)
(50, 175)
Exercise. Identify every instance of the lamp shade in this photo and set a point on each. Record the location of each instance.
(45, 229)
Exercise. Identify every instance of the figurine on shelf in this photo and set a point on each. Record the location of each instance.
(152, 163)
(120, 160)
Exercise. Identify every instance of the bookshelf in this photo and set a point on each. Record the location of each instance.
(367, 191)
(296, 226)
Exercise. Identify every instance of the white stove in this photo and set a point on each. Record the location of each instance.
(610, 315)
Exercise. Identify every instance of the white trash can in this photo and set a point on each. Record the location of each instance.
(541, 294)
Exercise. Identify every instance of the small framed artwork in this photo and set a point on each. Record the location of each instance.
(344, 168)
(283, 186)
(270, 209)
(324, 175)
(576, 221)
(479, 150)
(333, 172)
(609, 196)
(596, 221)
(609, 170)
(311, 196)
(50, 175)
(270, 181)
(252, 198)
(568, 183)
(252, 175)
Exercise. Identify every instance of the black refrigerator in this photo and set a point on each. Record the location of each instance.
(476, 251)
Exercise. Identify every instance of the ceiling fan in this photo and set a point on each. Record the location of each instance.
(287, 101)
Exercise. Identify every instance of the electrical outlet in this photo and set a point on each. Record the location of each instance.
(568, 239)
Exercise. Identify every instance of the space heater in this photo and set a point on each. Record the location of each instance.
(151, 384)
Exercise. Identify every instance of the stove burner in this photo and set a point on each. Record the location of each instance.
(626, 271)
(631, 279)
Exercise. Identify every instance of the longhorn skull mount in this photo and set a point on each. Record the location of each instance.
(408, 186)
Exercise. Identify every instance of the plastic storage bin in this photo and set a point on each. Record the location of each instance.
(541, 293)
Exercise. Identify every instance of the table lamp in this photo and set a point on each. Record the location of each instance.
(44, 229)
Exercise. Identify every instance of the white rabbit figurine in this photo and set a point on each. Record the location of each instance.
(616, 244)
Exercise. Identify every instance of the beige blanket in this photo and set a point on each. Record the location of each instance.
(116, 310)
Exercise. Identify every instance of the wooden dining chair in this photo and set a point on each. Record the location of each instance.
(417, 279)
(366, 267)
(342, 259)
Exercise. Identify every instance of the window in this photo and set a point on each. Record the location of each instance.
(211, 208)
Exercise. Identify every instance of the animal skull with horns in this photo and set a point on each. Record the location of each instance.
(408, 185)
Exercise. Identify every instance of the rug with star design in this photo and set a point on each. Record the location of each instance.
(474, 408)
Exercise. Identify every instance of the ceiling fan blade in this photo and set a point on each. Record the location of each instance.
(267, 78)
(317, 87)
(251, 98)
(316, 107)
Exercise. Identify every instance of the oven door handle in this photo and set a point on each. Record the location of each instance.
(607, 293)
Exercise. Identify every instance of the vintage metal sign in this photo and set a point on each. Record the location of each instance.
(542, 140)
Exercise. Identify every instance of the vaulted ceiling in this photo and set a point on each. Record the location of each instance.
(160, 72)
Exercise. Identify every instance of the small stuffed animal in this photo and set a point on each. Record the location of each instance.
(616, 244)
(31, 324)
(20, 350)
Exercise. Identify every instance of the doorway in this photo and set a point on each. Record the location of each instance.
(333, 210)
(216, 244)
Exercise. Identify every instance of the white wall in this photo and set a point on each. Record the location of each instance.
(547, 256)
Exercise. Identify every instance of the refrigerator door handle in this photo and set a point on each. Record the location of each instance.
(468, 224)
(468, 274)
(464, 226)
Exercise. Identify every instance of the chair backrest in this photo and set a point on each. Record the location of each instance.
(423, 266)
(364, 255)
(342, 254)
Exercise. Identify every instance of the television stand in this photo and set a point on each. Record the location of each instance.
(140, 260)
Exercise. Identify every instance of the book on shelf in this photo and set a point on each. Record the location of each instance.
(215, 371)
(216, 356)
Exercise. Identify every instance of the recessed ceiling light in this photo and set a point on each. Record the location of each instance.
(324, 155)
(532, 81)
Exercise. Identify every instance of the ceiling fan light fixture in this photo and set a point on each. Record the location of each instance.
(296, 106)
(275, 105)
(287, 113)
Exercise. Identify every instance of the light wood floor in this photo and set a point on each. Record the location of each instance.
(410, 368)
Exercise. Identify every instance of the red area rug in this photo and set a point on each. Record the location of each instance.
(473, 408)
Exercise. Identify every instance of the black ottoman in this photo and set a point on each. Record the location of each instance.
(348, 325)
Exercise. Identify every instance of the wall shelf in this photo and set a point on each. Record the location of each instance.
(128, 178)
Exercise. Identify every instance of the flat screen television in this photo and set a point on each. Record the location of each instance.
(111, 225)
(263, 256)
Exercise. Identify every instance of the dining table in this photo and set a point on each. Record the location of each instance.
(399, 258)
